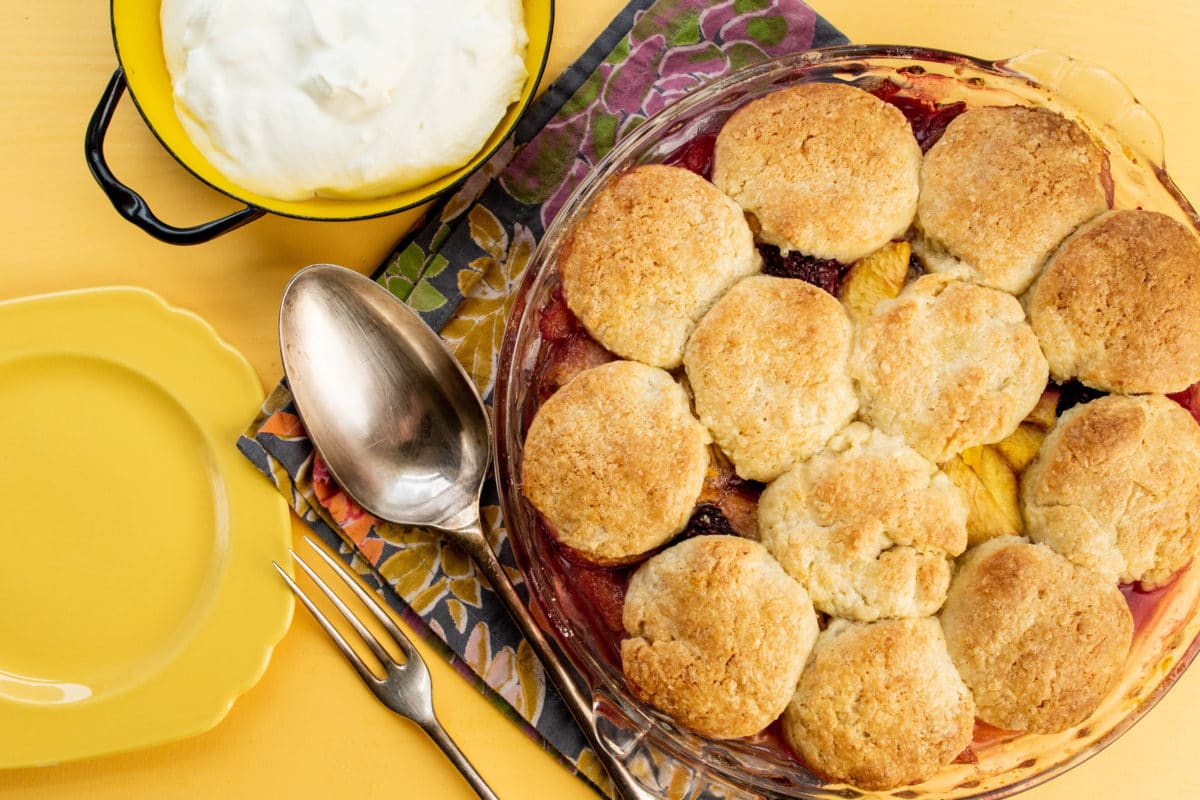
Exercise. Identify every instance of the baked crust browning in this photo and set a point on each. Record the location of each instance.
(655, 249)
(719, 635)
(767, 367)
(947, 365)
(826, 169)
(847, 415)
(1039, 641)
(614, 461)
(1116, 488)
(867, 525)
(1118, 305)
(1001, 189)
(880, 705)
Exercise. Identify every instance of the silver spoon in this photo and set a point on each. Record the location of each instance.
(405, 433)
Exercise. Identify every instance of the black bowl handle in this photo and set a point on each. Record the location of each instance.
(129, 204)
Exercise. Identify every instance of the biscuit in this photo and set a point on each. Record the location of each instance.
(947, 365)
(868, 526)
(767, 367)
(719, 635)
(654, 250)
(1116, 488)
(1039, 641)
(614, 461)
(1001, 188)
(1118, 305)
(826, 169)
(880, 705)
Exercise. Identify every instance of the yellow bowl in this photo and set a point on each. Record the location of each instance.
(137, 36)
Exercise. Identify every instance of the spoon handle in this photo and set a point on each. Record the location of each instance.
(472, 540)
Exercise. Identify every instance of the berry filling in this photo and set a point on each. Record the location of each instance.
(695, 155)
(1074, 393)
(824, 273)
(1189, 398)
(566, 350)
(928, 119)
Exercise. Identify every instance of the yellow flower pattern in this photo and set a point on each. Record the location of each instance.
(426, 569)
(488, 285)
(516, 676)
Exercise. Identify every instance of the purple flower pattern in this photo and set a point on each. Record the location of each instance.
(672, 49)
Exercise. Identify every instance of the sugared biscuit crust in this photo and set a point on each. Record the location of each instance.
(847, 419)
(719, 634)
(880, 705)
(1116, 488)
(1039, 641)
(767, 367)
(614, 461)
(1118, 305)
(947, 365)
(1001, 188)
(868, 526)
(657, 246)
(826, 169)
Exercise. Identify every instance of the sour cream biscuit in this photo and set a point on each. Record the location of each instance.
(1039, 641)
(615, 460)
(719, 634)
(868, 525)
(1001, 188)
(655, 249)
(767, 367)
(947, 365)
(826, 169)
(1118, 305)
(1116, 488)
(880, 705)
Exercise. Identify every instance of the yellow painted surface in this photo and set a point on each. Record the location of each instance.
(309, 729)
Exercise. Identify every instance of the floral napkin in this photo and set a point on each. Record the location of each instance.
(460, 271)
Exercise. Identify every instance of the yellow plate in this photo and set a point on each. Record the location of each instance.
(138, 39)
(136, 595)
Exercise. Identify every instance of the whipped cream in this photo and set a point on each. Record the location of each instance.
(342, 98)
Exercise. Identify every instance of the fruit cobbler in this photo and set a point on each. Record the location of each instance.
(851, 430)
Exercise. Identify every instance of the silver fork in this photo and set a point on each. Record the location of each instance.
(405, 688)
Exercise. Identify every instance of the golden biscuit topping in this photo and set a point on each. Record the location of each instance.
(896, 416)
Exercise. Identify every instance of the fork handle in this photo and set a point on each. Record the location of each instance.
(442, 739)
(471, 539)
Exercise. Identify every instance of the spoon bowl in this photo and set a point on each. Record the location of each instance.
(395, 417)
(404, 432)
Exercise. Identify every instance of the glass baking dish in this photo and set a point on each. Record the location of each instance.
(675, 763)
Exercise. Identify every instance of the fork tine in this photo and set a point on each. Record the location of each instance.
(369, 638)
(334, 633)
(371, 602)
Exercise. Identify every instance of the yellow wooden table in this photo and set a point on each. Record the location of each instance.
(310, 729)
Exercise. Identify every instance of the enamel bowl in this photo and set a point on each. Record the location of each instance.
(143, 70)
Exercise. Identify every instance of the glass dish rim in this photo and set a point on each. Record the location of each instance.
(598, 676)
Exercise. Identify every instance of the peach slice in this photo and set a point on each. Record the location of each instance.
(1045, 413)
(1021, 446)
(989, 487)
(879, 276)
(998, 479)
